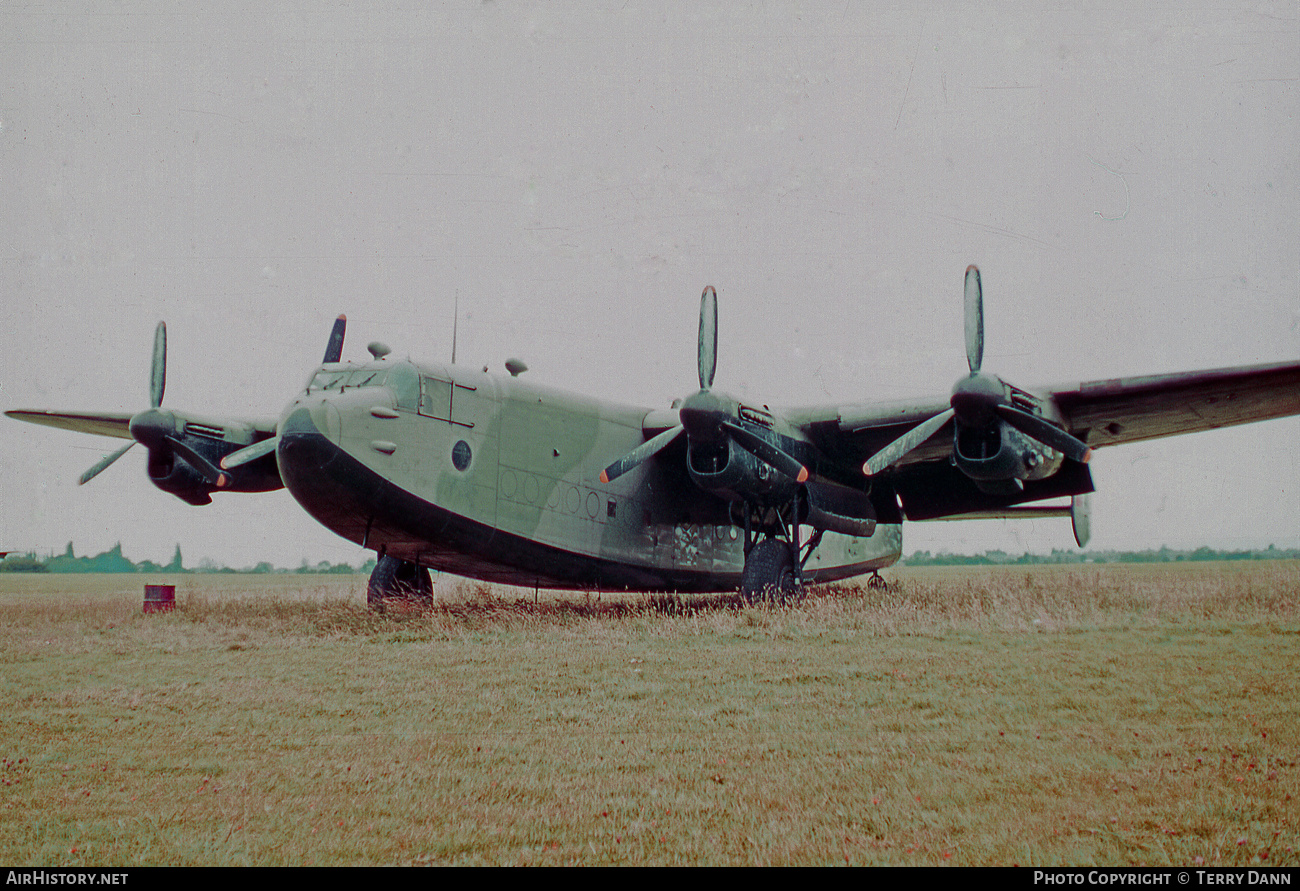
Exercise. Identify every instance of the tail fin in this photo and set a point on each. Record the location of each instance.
(334, 349)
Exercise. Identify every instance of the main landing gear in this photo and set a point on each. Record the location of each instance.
(395, 580)
(774, 556)
(769, 575)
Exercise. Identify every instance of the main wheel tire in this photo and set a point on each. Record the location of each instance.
(400, 580)
(769, 574)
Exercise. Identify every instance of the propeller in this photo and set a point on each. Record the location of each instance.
(978, 400)
(103, 464)
(157, 384)
(706, 417)
(250, 453)
(708, 354)
(155, 428)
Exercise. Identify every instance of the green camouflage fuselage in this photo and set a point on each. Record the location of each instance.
(497, 478)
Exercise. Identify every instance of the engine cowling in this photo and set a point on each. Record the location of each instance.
(840, 509)
(173, 475)
(180, 445)
(725, 469)
(997, 456)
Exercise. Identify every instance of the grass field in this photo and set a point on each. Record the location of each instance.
(1048, 715)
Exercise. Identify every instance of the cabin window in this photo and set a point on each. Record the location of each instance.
(435, 397)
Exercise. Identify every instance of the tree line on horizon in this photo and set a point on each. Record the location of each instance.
(1071, 556)
(113, 560)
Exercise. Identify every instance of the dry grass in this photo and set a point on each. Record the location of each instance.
(1054, 715)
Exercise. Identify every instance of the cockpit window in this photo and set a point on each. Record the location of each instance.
(368, 377)
(404, 381)
(335, 381)
(327, 380)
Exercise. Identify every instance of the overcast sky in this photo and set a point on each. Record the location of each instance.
(1125, 175)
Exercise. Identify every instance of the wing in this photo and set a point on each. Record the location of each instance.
(846, 436)
(1119, 410)
(100, 423)
(118, 424)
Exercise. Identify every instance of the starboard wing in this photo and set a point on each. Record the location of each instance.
(1130, 409)
(1105, 412)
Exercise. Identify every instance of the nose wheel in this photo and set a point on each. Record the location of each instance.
(395, 580)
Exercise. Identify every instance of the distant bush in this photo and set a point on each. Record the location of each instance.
(22, 563)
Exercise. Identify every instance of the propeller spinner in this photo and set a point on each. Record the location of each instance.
(707, 418)
(979, 400)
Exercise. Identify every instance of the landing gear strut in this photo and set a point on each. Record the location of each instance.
(398, 580)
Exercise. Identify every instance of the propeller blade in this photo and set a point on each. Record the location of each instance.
(974, 320)
(250, 453)
(334, 349)
(210, 472)
(708, 358)
(765, 451)
(638, 455)
(103, 464)
(158, 372)
(1081, 518)
(1047, 433)
(894, 452)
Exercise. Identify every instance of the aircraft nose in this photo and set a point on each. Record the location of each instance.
(303, 449)
(329, 484)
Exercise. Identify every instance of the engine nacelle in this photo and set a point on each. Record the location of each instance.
(172, 474)
(998, 453)
(727, 470)
(840, 509)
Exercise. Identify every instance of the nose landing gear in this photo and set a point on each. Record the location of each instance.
(398, 581)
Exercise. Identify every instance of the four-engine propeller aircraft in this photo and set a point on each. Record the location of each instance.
(494, 477)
